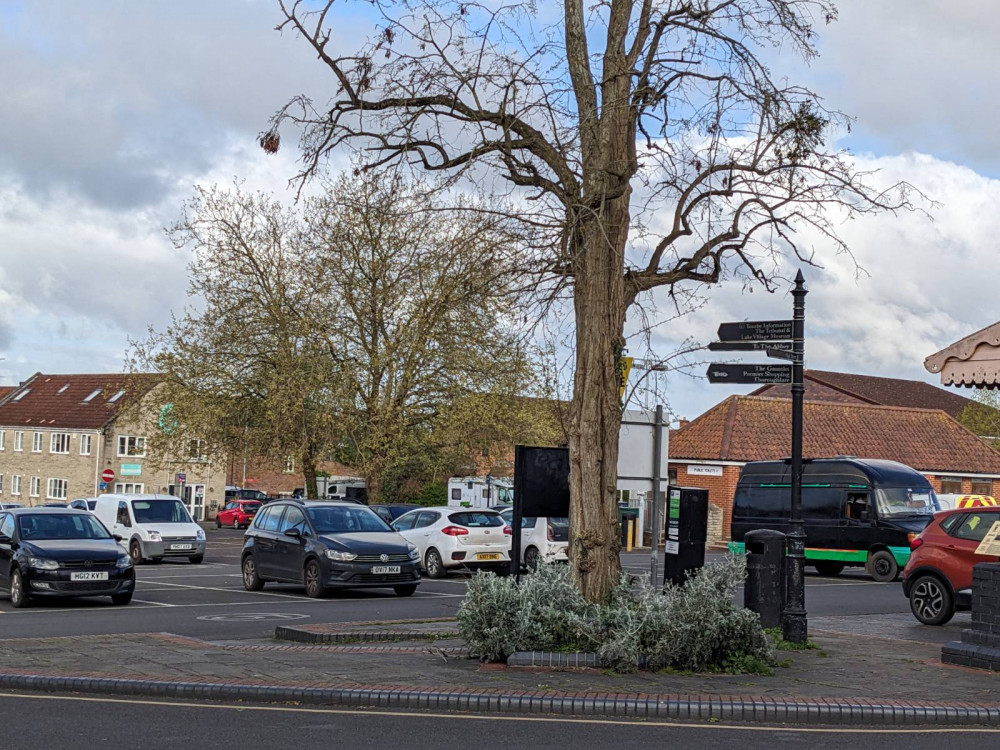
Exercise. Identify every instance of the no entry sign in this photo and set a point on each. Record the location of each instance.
(107, 475)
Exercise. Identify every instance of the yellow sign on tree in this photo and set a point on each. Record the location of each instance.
(624, 369)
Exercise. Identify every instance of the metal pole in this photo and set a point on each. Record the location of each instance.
(654, 545)
(795, 627)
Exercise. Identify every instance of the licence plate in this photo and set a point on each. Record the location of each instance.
(94, 576)
(488, 556)
(181, 546)
(385, 569)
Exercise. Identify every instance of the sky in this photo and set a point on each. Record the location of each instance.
(111, 111)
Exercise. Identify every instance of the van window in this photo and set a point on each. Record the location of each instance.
(906, 501)
(821, 502)
(762, 502)
(123, 517)
(857, 506)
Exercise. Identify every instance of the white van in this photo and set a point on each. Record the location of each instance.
(152, 527)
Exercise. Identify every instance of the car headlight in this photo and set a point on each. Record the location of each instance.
(124, 562)
(154, 536)
(413, 552)
(40, 563)
(200, 535)
(336, 554)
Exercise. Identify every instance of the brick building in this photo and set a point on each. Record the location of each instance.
(709, 451)
(278, 478)
(58, 433)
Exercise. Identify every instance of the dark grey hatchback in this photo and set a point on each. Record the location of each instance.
(326, 545)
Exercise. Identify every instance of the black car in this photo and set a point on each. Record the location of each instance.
(326, 545)
(61, 552)
(390, 513)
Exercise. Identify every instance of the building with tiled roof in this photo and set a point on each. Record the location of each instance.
(60, 433)
(710, 450)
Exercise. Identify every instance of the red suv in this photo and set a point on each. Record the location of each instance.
(938, 577)
(238, 513)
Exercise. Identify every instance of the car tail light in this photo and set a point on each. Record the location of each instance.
(915, 541)
(454, 531)
(508, 531)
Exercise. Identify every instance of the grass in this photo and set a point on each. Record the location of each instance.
(780, 644)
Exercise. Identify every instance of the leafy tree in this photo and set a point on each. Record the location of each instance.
(982, 415)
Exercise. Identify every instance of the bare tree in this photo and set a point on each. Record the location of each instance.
(648, 136)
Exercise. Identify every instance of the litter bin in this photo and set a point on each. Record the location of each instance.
(764, 592)
(626, 514)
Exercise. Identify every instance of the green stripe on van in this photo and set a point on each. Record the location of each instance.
(902, 554)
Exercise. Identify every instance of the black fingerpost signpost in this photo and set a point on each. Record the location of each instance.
(779, 339)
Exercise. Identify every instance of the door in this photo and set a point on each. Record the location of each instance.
(289, 551)
(861, 529)
(6, 549)
(423, 529)
(265, 533)
(961, 549)
(123, 522)
(406, 526)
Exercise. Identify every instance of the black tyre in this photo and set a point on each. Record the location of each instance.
(314, 580)
(218, 523)
(18, 593)
(197, 559)
(120, 599)
(433, 564)
(532, 558)
(135, 552)
(408, 590)
(931, 601)
(829, 567)
(251, 581)
(236, 523)
(882, 566)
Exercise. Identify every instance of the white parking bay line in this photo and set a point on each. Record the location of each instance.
(227, 591)
(158, 604)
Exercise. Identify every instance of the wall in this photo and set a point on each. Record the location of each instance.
(78, 470)
(720, 492)
(270, 476)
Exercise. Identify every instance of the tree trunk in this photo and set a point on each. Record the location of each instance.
(373, 482)
(599, 303)
(309, 474)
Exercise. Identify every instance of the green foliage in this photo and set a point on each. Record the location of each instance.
(982, 416)
(431, 494)
(778, 639)
(693, 627)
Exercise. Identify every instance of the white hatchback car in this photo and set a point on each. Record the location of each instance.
(456, 537)
(543, 540)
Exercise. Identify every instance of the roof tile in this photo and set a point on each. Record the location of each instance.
(60, 400)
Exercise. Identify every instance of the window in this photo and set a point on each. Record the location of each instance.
(982, 487)
(196, 450)
(57, 489)
(22, 394)
(123, 518)
(62, 390)
(130, 445)
(15, 484)
(427, 518)
(36, 443)
(456, 493)
(128, 488)
(92, 396)
(7, 525)
(289, 465)
(294, 519)
(85, 445)
(475, 519)
(3, 440)
(269, 520)
(116, 397)
(975, 526)
(1, 484)
(405, 522)
(486, 493)
(59, 442)
(951, 486)
(18, 441)
(36, 487)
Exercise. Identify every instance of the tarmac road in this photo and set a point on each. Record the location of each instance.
(208, 601)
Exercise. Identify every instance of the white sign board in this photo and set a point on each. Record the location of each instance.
(704, 471)
(635, 450)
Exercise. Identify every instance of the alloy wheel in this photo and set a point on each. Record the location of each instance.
(927, 598)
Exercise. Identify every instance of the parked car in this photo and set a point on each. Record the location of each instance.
(53, 505)
(390, 513)
(938, 577)
(245, 494)
(239, 514)
(61, 552)
(10, 506)
(82, 504)
(543, 540)
(326, 545)
(856, 511)
(453, 537)
(154, 527)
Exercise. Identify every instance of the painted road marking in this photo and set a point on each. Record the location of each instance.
(254, 617)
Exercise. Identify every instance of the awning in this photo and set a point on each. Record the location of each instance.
(973, 362)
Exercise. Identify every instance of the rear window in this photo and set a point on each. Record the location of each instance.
(475, 520)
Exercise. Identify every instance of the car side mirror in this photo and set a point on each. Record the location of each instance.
(294, 533)
(117, 537)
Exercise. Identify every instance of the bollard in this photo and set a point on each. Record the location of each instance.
(630, 525)
(764, 591)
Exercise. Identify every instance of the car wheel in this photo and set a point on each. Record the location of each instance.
(251, 581)
(18, 596)
(882, 566)
(218, 523)
(197, 559)
(314, 580)
(433, 564)
(236, 523)
(121, 598)
(531, 558)
(930, 601)
(829, 568)
(405, 590)
(135, 552)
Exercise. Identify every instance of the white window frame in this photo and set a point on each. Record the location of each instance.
(19, 440)
(36, 442)
(15, 485)
(1, 484)
(129, 488)
(85, 440)
(35, 487)
(3, 440)
(125, 440)
(196, 450)
(289, 467)
(57, 489)
(61, 437)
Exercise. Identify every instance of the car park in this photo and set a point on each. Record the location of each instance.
(390, 513)
(938, 577)
(449, 538)
(326, 545)
(61, 552)
(238, 514)
(543, 540)
(153, 527)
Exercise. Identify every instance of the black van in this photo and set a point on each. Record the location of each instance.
(855, 511)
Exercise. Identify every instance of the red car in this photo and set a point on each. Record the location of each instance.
(238, 514)
(938, 577)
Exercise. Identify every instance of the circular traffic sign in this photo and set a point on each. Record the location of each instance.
(107, 475)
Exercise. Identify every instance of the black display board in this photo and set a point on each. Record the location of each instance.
(541, 489)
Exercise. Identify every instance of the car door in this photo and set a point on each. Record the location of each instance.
(404, 525)
(265, 531)
(424, 529)
(961, 548)
(289, 551)
(123, 522)
(6, 549)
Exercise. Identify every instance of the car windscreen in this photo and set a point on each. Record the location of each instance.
(906, 501)
(349, 519)
(33, 526)
(160, 511)
(250, 507)
(476, 520)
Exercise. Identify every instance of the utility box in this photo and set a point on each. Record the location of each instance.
(764, 591)
(686, 533)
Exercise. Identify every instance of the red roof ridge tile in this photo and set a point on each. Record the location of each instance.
(834, 404)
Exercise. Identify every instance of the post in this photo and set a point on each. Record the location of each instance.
(629, 530)
(654, 539)
(795, 627)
